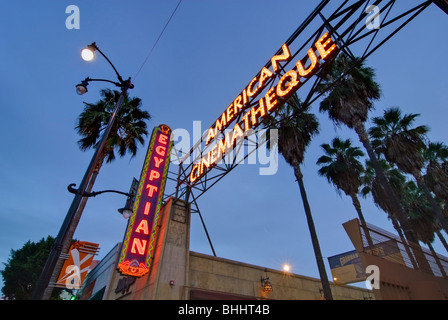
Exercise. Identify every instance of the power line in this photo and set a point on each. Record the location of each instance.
(155, 44)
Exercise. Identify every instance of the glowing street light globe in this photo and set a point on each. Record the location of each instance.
(286, 267)
(87, 54)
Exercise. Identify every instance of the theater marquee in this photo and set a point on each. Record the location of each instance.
(138, 244)
(323, 50)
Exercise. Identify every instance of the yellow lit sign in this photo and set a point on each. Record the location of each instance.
(289, 82)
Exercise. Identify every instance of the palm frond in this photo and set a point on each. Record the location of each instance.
(129, 128)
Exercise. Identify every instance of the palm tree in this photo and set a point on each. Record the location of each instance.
(128, 130)
(404, 146)
(341, 167)
(419, 210)
(422, 218)
(349, 90)
(436, 177)
(371, 185)
(399, 143)
(296, 127)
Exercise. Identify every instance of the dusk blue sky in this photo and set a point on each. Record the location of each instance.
(207, 55)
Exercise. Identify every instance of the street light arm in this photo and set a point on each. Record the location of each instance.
(123, 84)
(105, 80)
(71, 188)
(110, 62)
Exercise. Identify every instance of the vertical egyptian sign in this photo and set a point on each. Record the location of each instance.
(139, 240)
(77, 265)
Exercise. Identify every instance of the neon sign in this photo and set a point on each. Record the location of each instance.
(138, 244)
(288, 83)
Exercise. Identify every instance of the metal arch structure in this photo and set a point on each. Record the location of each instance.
(442, 4)
(348, 22)
(347, 25)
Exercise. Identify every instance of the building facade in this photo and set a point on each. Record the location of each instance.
(180, 274)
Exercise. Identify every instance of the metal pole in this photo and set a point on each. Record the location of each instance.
(202, 220)
(55, 252)
(206, 232)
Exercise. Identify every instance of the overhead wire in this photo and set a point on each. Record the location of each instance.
(157, 41)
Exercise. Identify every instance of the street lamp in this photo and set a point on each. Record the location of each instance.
(88, 53)
(286, 267)
(266, 283)
(50, 271)
(126, 212)
(81, 88)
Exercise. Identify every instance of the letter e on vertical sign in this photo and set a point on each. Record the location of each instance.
(139, 241)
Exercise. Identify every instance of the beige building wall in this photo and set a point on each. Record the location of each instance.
(211, 277)
(179, 274)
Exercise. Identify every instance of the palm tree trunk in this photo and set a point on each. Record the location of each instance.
(403, 240)
(71, 231)
(440, 217)
(398, 209)
(442, 239)
(317, 252)
(357, 206)
(436, 257)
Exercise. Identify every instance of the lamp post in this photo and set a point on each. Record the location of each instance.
(43, 289)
